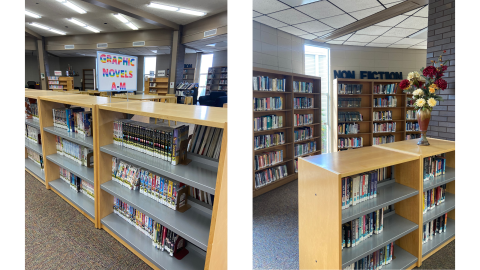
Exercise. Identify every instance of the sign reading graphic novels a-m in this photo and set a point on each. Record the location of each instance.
(116, 72)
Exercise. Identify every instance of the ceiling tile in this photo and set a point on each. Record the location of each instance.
(391, 1)
(414, 22)
(422, 13)
(268, 6)
(320, 10)
(378, 45)
(343, 37)
(308, 36)
(418, 47)
(399, 32)
(313, 26)
(388, 40)
(393, 21)
(269, 21)
(292, 30)
(373, 30)
(411, 12)
(335, 42)
(290, 16)
(362, 38)
(399, 46)
(410, 41)
(256, 14)
(295, 3)
(321, 33)
(354, 5)
(338, 21)
(366, 12)
(352, 43)
(422, 43)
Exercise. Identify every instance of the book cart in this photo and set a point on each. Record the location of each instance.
(320, 214)
(287, 113)
(366, 130)
(436, 147)
(203, 227)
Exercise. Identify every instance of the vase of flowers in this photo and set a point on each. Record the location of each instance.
(424, 92)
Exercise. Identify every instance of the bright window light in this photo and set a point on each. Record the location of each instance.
(129, 24)
(31, 14)
(120, 18)
(92, 29)
(72, 6)
(192, 12)
(160, 6)
(77, 22)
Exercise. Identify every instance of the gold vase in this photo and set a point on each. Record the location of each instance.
(423, 117)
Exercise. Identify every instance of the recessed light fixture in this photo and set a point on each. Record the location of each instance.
(77, 22)
(170, 8)
(47, 28)
(92, 29)
(129, 24)
(72, 6)
(31, 14)
(160, 6)
(192, 12)
(121, 18)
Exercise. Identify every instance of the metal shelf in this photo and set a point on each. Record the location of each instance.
(77, 198)
(71, 136)
(143, 245)
(83, 172)
(34, 168)
(394, 227)
(441, 209)
(402, 259)
(449, 176)
(34, 146)
(32, 123)
(439, 239)
(386, 195)
(196, 174)
(193, 224)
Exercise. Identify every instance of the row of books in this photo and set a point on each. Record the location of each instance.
(202, 196)
(53, 82)
(433, 197)
(362, 187)
(350, 142)
(434, 228)
(361, 228)
(350, 89)
(384, 127)
(411, 115)
(223, 76)
(270, 175)
(412, 126)
(162, 238)
(33, 134)
(267, 104)
(382, 115)
(264, 83)
(268, 159)
(385, 88)
(305, 148)
(185, 77)
(75, 120)
(303, 133)
(267, 122)
(53, 78)
(78, 153)
(412, 136)
(222, 87)
(222, 81)
(349, 116)
(410, 102)
(385, 102)
(269, 140)
(77, 184)
(184, 93)
(31, 108)
(302, 119)
(349, 102)
(383, 139)
(206, 141)
(52, 86)
(434, 166)
(375, 260)
(302, 87)
(347, 128)
(35, 157)
(186, 86)
(303, 103)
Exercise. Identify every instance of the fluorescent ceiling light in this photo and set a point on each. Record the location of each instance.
(120, 18)
(92, 29)
(192, 12)
(160, 6)
(72, 6)
(211, 45)
(77, 22)
(31, 14)
(47, 28)
(129, 24)
(154, 51)
(57, 31)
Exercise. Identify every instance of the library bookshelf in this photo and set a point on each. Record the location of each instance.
(189, 75)
(157, 86)
(65, 83)
(217, 79)
(320, 215)
(366, 127)
(203, 227)
(288, 113)
(436, 147)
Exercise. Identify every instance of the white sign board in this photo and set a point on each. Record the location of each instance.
(116, 72)
(161, 73)
(57, 72)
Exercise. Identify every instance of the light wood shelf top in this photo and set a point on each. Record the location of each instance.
(201, 115)
(83, 100)
(44, 93)
(346, 163)
(141, 97)
(436, 147)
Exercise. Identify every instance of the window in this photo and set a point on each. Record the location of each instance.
(205, 64)
(150, 64)
(317, 63)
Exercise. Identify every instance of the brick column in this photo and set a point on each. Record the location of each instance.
(441, 36)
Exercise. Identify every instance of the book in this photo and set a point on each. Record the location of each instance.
(383, 139)
(302, 119)
(389, 101)
(302, 87)
(270, 175)
(349, 89)
(206, 141)
(268, 104)
(35, 157)
(349, 102)
(356, 232)
(305, 148)
(385, 88)
(382, 115)
(269, 140)
(434, 166)
(434, 228)
(267, 122)
(347, 128)
(385, 127)
(268, 159)
(362, 186)
(77, 184)
(412, 136)
(303, 103)
(33, 134)
(201, 195)
(353, 142)
(433, 197)
(349, 116)
(302, 133)
(78, 153)
(264, 83)
(375, 260)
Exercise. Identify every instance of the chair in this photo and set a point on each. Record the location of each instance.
(188, 101)
(215, 99)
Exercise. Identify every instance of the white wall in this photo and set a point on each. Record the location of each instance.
(220, 59)
(32, 70)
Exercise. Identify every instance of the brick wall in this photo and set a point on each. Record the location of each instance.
(441, 36)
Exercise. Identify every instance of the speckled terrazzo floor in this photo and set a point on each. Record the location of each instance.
(275, 233)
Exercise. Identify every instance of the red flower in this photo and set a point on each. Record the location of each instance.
(430, 71)
(420, 84)
(444, 68)
(441, 83)
(404, 84)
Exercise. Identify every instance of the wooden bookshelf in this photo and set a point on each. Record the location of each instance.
(160, 88)
(367, 109)
(65, 82)
(288, 128)
(190, 73)
(215, 82)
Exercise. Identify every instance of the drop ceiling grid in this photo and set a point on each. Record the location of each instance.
(201, 45)
(304, 19)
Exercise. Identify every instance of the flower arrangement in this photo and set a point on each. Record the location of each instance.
(424, 93)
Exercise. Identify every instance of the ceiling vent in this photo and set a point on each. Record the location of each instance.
(210, 32)
(69, 47)
(102, 45)
(139, 43)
